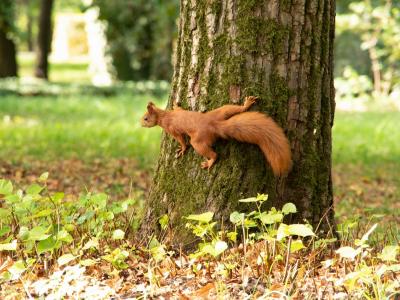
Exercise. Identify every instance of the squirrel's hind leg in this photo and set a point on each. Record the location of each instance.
(229, 110)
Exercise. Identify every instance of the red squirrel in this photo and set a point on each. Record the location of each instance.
(228, 121)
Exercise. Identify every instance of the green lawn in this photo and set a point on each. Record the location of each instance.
(80, 126)
(71, 72)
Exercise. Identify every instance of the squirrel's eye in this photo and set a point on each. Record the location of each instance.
(145, 119)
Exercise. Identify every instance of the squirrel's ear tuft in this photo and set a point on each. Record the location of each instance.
(150, 107)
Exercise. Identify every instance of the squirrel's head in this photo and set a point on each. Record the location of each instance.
(149, 119)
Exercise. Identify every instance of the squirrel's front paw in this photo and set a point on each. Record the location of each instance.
(180, 152)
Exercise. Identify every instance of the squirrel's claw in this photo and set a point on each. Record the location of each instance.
(207, 164)
(180, 152)
(250, 100)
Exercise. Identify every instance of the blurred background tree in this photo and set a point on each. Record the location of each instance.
(140, 35)
(367, 52)
(8, 62)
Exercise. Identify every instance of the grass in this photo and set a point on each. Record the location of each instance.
(70, 72)
(76, 126)
(369, 138)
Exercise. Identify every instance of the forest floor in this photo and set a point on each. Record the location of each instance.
(90, 141)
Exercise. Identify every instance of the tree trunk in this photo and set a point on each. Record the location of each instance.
(280, 51)
(29, 24)
(8, 61)
(44, 39)
(8, 53)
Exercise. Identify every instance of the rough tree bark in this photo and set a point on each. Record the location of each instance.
(279, 50)
(8, 53)
(44, 39)
(8, 61)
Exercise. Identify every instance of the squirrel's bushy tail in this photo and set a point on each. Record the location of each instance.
(257, 128)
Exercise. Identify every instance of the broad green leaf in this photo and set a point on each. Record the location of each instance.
(389, 253)
(236, 218)
(6, 187)
(249, 223)
(47, 245)
(348, 252)
(262, 197)
(86, 216)
(64, 236)
(232, 235)
(43, 177)
(4, 230)
(34, 189)
(69, 227)
(9, 246)
(283, 231)
(164, 221)
(92, 243)
(203, 218)
(289, 208)
(43, 213)
(65, 259)
(248, 200)
(118, 234)
(270, 218)
(88, 262)
(57, 197)
(4, 213)
(23, 233)
(17, 269)
(296, 246)
(368, 233)
(38, 233)
(220, 246)
(100, 200)
(300, 230)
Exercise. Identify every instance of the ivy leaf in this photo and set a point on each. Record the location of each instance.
(34, 189)
(9, 246)
(300, 230)
(17, 269)
(47, 245)
(6, 229)
(118, 234)
(65, 259)
(43, 177)
(249, 200)
(348, 252)
(6, 187)
(38, 233)
(164, 221)
(270, 217)
(296, 246)
(92, 243)
(88, 262)
(289, 208)
(236, 218)
(4, 213)
(202, 218)
(389, 253)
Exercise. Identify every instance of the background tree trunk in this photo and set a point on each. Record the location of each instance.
(8, 61)
(44, 39)
(8, 52)
(29, 24)
(279, 50)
